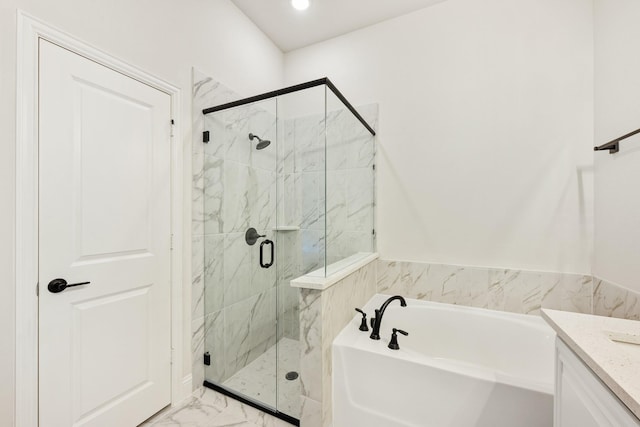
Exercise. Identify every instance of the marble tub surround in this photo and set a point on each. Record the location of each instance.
(323, 314)
(613, 300)
(610, 347)
(516, 291)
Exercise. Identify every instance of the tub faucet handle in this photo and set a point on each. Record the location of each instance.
(393, 344)
(363, 324)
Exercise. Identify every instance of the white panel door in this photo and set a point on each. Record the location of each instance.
(104, 218)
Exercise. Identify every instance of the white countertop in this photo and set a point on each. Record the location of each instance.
(335, 272)
(609, 346)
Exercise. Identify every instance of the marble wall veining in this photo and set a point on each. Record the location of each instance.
(323, 314)
(331, 173)
(515, 291)
(613, 300)
(350, 182)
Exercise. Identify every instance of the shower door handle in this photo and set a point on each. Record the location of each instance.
(262, 245)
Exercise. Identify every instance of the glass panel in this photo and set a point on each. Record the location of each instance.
(300, 236)
(240, 296)
(350, 172)
(302, 205)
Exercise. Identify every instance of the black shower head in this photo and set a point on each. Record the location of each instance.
(262, 143)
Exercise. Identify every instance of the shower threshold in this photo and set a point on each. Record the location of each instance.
(254, 383)
(253, 403)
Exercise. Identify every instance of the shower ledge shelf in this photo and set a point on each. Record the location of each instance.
(286, 228)
(338, 271)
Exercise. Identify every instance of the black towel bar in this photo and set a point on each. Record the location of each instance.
(614, 145)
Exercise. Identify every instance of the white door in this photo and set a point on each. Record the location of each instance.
(104, 218)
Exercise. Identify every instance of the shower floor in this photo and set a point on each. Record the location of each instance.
(256, 380)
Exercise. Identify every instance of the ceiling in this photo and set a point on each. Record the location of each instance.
(291, 29)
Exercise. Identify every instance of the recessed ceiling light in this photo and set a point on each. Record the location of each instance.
(300, 4)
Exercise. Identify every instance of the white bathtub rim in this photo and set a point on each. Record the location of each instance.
(352, 337)
(364, 344)
(529, 319)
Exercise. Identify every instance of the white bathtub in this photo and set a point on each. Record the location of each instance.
(459, 367)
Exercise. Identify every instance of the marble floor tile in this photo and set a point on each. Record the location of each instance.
(256, 380)
(208, 408)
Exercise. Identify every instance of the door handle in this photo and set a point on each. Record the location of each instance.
(262, 263)
(59, 285)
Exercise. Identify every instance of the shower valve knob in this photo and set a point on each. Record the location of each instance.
(252, 236)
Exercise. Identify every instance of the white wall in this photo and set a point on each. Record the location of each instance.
(486, 129)
(617, 100)
(163, 37)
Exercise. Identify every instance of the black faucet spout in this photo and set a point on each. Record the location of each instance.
(377, 321)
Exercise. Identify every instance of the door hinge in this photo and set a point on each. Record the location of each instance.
(373, 232)
(207, 359)
(173, 126)
(374, 167)
(38, 289)
(205, 136)
(171, 242)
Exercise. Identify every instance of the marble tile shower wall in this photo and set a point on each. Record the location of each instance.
(350, 176)
(233, 299)
(333, 175)
(346, 166)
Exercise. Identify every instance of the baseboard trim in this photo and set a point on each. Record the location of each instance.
(187, 386)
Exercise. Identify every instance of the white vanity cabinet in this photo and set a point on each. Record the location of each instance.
(581, 399)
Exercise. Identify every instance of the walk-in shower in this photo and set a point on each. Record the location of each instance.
(299, 202)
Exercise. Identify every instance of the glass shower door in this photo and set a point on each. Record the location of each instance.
(240, 262)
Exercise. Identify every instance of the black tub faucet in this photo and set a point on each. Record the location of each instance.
(376, 322)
